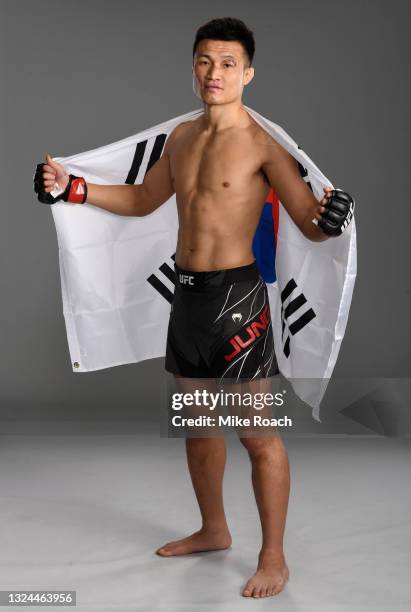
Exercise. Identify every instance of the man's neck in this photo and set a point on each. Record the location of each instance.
(218, 117)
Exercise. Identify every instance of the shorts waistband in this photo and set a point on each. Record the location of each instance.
(197, 281)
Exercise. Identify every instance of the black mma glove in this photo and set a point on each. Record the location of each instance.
(338, 213)
(75, 192)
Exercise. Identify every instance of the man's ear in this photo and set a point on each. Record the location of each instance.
(248, 75)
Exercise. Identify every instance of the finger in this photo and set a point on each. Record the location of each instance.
(47, 168)
(49, 183)
(51, 161)
(49, 175)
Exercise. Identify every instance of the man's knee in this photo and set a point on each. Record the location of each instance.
(261, 447)
(202, 448)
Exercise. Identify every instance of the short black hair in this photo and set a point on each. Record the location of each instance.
(227, 28)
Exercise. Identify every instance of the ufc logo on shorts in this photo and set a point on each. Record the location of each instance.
(185, 279)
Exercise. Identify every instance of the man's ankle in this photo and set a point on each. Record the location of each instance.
(274, 552)
(215, 528)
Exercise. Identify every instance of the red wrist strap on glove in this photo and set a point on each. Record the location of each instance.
(78, 190)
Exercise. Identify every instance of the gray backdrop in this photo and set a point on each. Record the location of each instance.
(77, 75)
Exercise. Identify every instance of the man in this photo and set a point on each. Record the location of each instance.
(221, 167)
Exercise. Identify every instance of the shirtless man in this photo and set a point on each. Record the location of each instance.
(221, 167)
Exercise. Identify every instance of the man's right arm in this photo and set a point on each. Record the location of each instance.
(137, 200)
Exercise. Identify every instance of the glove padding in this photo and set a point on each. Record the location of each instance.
(71, 193)
(338, 213)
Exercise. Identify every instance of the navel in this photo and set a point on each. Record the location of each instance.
(226, 184)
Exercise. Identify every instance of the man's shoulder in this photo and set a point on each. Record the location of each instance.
(183, 128)
(271, 151)
(176, 133)
(261, 136)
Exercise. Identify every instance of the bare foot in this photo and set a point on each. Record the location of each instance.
(270, 578)
(197, 542)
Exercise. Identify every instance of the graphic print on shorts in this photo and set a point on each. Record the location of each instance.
(245, 345)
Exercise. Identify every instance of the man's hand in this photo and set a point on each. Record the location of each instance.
(334, 212)
(52, 183)
(55, 176)
(321, 208)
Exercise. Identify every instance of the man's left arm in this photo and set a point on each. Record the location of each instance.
(297, 198)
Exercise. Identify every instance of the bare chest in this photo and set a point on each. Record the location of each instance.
(217, 164)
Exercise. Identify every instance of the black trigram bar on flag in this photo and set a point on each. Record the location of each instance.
(139, 155)
(293, 305)
(158, 284)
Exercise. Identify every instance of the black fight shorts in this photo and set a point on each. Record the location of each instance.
(220, 326)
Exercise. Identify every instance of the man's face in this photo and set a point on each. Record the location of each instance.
(220, 71)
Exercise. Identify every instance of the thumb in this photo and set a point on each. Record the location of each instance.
(51, 161)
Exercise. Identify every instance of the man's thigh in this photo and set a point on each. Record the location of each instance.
(201, 402)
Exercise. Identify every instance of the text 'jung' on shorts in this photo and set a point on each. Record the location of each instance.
(220, 326)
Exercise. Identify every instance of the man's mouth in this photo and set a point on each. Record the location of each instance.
(212, 87)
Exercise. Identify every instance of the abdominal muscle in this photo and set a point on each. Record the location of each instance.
(216, 233)
(207, 253)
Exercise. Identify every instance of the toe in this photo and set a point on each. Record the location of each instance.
(248, 590)
(279, 587)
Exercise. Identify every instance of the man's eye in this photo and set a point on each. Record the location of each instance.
(230, 65)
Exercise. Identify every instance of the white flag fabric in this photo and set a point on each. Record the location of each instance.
(117, 274)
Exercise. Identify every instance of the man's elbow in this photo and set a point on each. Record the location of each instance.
(142, 205)
(147, 201)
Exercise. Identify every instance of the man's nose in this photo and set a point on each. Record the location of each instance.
(214, 73)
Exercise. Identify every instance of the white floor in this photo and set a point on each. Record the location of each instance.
(85, 512)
